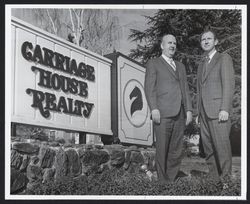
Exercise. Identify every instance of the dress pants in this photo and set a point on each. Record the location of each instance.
(216, 144)
(169, 146)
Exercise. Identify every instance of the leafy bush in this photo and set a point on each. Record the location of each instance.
(120, 182)
(60, 140)
(65, 186)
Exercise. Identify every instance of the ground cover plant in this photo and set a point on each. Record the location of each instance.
(121, 182)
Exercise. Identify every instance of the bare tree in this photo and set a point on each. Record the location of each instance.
(95, 29)
(47, 19)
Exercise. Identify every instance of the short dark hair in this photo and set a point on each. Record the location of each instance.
(209, 30)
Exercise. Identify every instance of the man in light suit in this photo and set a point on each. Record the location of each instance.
(167, 94)
(215, 89)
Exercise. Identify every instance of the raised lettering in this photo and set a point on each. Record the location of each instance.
(26, 47)
(44, 77)
(37, 56)
(83, 89)
(88, 109)
(48, 57)
(56, 81)
(50, 101)
(91, 75)
(62, 104)
(59, 58)
(38, 98)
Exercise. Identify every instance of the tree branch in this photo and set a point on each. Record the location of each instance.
(230, 37)
(231, 48)
(73, 25)
(220, 28)
(51, 21)
(198, 57)
(72, 22)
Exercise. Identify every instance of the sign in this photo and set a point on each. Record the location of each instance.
(58, 84)
(130, 112)
(134, 103)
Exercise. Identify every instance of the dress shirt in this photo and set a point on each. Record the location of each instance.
(211, 56)
(170, 61)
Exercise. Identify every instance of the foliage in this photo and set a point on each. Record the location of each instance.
(65, 186)
(60, 140)
(31, 132)
(187, 25)
(192, 128)
(120, 182)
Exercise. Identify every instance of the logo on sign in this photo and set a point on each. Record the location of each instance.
(134, 103)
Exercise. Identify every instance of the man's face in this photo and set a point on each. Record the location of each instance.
(208, 42)
(168, 45)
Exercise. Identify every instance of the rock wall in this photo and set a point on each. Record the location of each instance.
(35, 162)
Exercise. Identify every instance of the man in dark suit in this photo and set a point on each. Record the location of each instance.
(215, 89)
(167, 94)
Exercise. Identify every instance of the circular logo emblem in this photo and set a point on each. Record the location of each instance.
(134, 102)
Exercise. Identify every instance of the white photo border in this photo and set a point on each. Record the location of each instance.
(8, 8)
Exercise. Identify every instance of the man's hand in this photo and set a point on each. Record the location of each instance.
(189, 117)
(223, 116)
(156, 117)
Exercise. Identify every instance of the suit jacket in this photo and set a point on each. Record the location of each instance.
(216, 89)
(166, 89)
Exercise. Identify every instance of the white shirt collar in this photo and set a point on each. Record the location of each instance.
(211, 55)
(168, 59)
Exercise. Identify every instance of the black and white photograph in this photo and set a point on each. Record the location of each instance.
(144, 102)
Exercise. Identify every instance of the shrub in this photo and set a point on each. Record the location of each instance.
(60, 140)
(120, 182)
(65, 186)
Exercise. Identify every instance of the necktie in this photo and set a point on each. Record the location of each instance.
(206, 62)
(172, 64)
